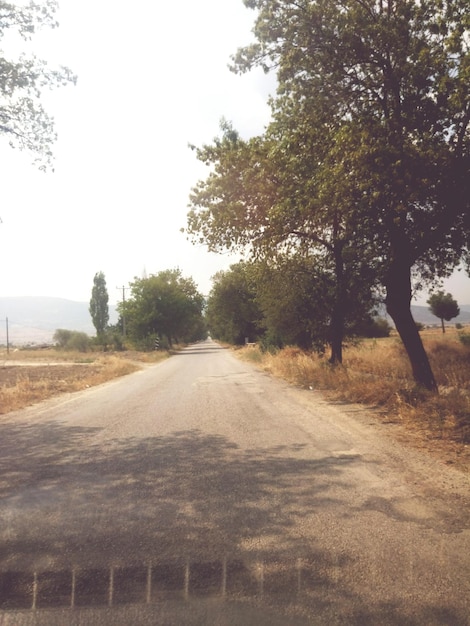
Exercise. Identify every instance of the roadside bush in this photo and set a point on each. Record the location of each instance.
(375, 328)
(465, 338)
(147, 344)
(71, 340)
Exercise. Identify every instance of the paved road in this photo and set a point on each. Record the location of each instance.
(202, 491)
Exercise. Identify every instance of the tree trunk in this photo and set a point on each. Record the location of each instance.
(398, 301)
(336, 336)
(443, 326)
(337, 316)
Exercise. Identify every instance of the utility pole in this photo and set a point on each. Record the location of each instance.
(8, 337)
(123, 301)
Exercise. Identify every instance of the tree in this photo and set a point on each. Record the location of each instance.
(268, 194)
(99, 310)
(23, 120)
(163, 305)
(232, 312)
(373, 105)
(295, 302)
(298, 296)
(443, 306)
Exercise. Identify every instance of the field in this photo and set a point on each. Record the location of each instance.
(376, 373)
(27, 377)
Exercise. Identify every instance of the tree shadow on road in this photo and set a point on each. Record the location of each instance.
(72, 501)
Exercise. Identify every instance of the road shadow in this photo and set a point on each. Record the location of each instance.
(204, 347)
(86, 522)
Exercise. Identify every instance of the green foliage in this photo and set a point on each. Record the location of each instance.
(232, 312)
(365, 163)
(23, 120)
(375, 96)
(163, 305)
(71, 340)
(279, 302)
(99, 310)
(299, 295)
(271, 342)
(250, 199)
(294, 299)
(374, 327)
(465, 338)
(443, 306)
(116, 340)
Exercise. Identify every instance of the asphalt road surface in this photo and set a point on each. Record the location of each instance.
(202, 491)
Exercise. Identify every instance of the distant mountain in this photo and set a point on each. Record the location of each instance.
(423, 315)
(35, 319)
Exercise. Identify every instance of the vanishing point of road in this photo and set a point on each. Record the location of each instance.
(203, 491)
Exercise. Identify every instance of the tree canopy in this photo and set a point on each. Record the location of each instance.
(443, 306)
(232, 313)
(261, 194)
(23, 120)
(280, 302)
(367, 158)
(99, 310)
(165, 304)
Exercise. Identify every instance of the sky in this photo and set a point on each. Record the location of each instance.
(152, 79)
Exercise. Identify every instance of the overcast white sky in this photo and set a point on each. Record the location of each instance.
(152, 77)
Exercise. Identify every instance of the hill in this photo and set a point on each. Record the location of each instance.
(35, 319)
(423, 315)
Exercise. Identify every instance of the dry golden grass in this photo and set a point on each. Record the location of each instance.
(377, 373)
(27, 377)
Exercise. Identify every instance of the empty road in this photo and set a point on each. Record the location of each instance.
(202, 491)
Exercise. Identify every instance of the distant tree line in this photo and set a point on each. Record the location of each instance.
(161, 310)
(279, 305)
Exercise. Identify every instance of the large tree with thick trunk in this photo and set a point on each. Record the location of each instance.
(382, 87)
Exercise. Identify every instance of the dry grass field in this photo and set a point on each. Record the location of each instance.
(376, 373)
(27, 377)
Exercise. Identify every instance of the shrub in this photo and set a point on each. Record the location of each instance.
(377, 327)
(465, 338)
(71, 340)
